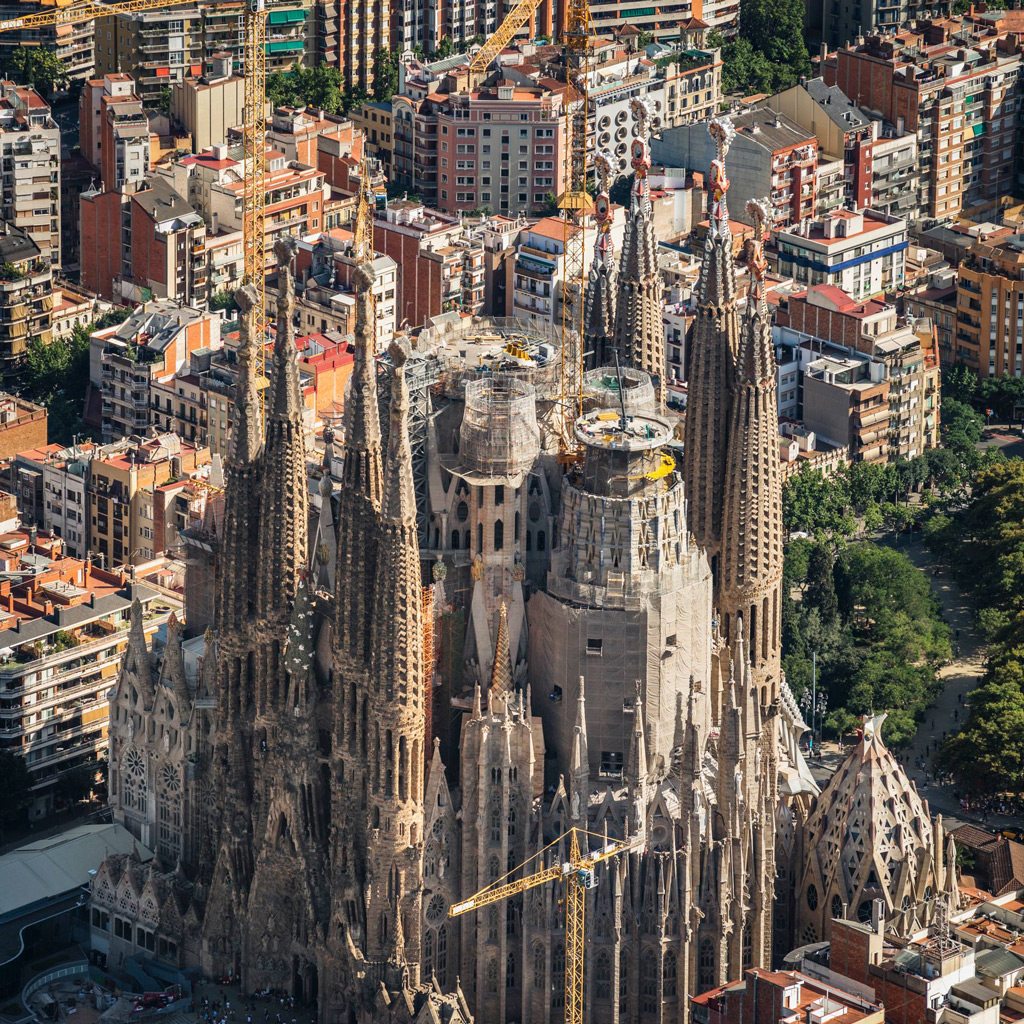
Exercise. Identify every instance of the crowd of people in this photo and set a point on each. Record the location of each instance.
(267, 1006)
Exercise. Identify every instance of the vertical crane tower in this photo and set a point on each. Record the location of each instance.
(575, 204)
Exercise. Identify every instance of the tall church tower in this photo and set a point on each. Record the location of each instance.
(639, 331)
(359, 511)
(750, 584)
(228, 835)
(282, 531)
(398, 693)
(712, 358)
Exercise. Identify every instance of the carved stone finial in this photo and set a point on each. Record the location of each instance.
(284, 250)
(246, 298)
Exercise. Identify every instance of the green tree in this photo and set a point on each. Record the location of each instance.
(75, 784)
(987, 756)
(775, 28)
(816, 504)
(745, 69)
(56, 375)
(222, 300)
(39, 67)
(163, 103)
(445, 48)
(821, 589)
(16, 792)
(385, 74)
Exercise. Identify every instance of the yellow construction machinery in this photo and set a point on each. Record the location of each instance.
(578, 875)
(254, 147)
(575, 204)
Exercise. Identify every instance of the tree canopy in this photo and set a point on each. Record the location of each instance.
(983, 543)
(56, 376)
(385, 74)
(868, 615)
(313, 87)
(39, 67)
(770, 53)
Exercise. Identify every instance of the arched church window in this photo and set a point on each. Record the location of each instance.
(510, 971)
(479, 538)
(541, 544)
(837, 906)
(669, 975)
(428, 952)
(442, 955)
(538, 966)
(495, 823)
(812, 897)
(603, 976)
(492, 974)
(748, 947)
(455, 540)
(649, 964)
(499, 535)
(705, 964)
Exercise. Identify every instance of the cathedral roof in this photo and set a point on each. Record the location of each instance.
(869, 819)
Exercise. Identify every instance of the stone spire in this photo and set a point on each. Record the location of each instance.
(397, 699)
(639, 330)
(501, 670)
(283, 501)
(237, 558)
(136, 655)
(362, 488)
(637, 771)
(712, 356)
(324, 556)
(579, 762)
(751, 555)
(599, 304)
(173, 668)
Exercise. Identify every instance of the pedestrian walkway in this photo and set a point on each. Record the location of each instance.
(225, 1003)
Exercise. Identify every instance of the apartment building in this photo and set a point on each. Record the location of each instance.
(211, 104)
(22, 425)
(120, 144)
(960, 97)
(123, 479)
(537, 271)
(861, 252)
(26, 298)
(30, 168)
(144, 244)
(375, 121)
(296, 198)
(64, 627)
(771, 155)
(160, 47)
(440, 268)
(785, 995)
(326, 267)
(879, 164)
(153, 344)
(905, 351)
(990, 306)
(497, 147)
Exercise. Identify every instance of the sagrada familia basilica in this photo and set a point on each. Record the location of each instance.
(463, 648)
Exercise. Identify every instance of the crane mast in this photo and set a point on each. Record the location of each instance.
(574, 203)
(577, 873)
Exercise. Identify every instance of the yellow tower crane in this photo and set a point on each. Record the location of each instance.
(254, 125)
(574, 203)
(578, 875)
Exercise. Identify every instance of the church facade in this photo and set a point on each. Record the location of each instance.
(470, 649)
